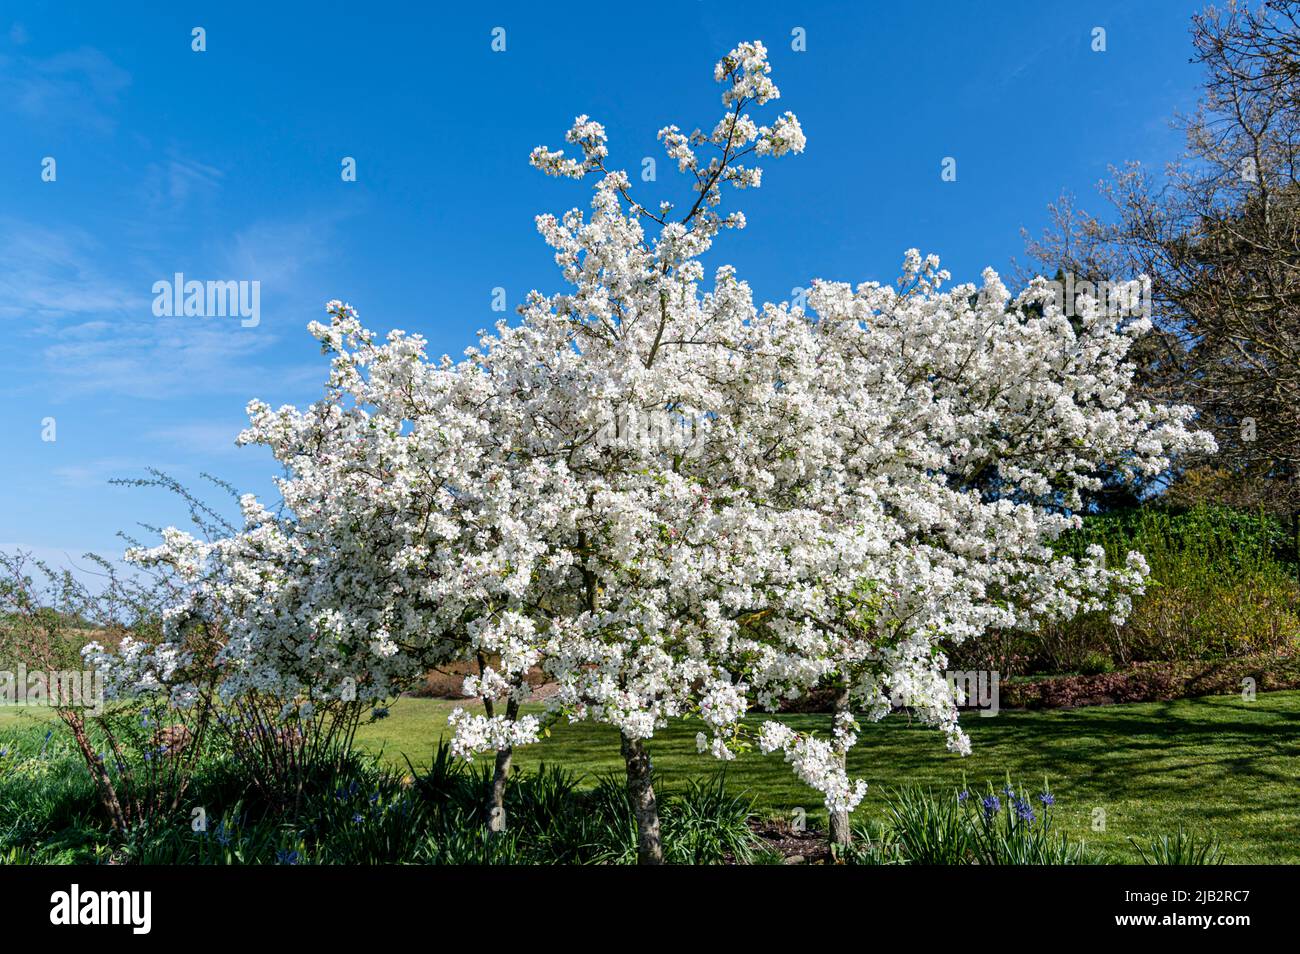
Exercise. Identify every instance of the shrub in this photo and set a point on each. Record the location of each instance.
(706, 825)
(1154, 682)
(928, 829)
(1223, 585)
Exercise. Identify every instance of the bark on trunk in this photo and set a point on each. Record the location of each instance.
(500, 776)
(840, 834)
(98, 772)
(1295, 538)
(650, 849)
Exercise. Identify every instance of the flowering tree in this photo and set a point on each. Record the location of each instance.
(861, 486)
(830, 496)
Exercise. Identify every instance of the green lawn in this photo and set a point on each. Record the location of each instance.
(1216, 764)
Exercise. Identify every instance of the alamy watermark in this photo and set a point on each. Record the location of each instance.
(133, 909)
(654, 431)
(212, 299)
(976, 688)
(969, 689)
(68, 688)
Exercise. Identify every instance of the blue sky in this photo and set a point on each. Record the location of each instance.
(225, 165)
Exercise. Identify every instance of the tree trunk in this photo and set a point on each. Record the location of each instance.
(640, 788)
(98, 771)
(840, 834)
(500, 775)
(1295, 537)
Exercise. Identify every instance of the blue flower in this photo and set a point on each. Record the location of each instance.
(223, 835)
(962, 796)
(1047, 798)
(343, 794)
(1024, 811)
(286, 857)
(992, 805)
(357, 819)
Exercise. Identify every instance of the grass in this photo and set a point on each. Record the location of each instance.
(1210, 766)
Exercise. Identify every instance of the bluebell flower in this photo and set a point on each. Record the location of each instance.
(1024, 811)
(1047, 798)
(962, 796)
(223, 835)
(357, 819)
(286, 857)
(992, 805)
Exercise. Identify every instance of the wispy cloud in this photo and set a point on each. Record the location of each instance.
(170, 185)
(95, 332)
(203, 438)
(49, 274)
(161, 358)
(96, 473)
(81, 87)
(279, 253)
